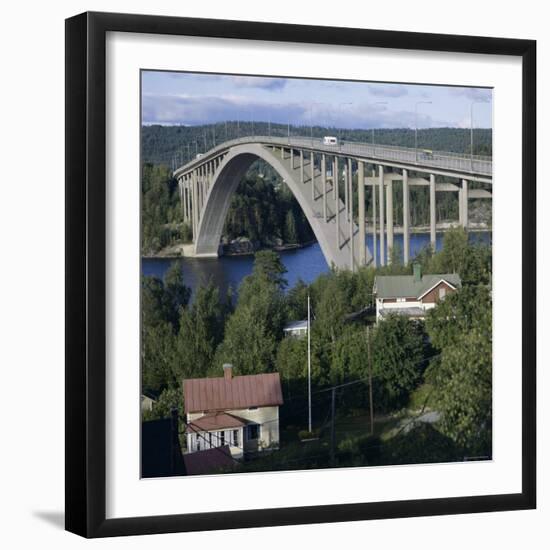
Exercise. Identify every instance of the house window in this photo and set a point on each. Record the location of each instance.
(198, 442)
(442, 293)
(235, 438)
(210, 438)
(222, 438)
(253, 431)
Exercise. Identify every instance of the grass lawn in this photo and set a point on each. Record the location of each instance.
(420, 398)
(296, 454)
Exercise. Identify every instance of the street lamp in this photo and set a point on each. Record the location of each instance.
(271, 116)
(311, 116)
(288, 126)
(289, 106)
(416, 127)
(377, 103)
(251, 120)
(472, 132)
(340, 110)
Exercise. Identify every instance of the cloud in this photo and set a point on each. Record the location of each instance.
(475, 94)
(196, 110)
(388, 90)
(264, 83)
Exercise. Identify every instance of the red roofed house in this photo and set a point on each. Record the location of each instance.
(239, 411)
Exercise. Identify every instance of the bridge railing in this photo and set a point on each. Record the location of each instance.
(474, 164)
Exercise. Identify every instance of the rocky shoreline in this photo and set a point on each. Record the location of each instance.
(245, 247)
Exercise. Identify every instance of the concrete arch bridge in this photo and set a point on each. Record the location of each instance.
(322, 178)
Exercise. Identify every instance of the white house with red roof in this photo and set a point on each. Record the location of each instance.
(412, 295)
(239, 411)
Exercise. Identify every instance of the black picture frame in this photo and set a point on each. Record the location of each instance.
(86, 275)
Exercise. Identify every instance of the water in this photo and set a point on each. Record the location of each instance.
(302, 263)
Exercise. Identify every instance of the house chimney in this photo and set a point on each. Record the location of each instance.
(417, 272)
(227, 371)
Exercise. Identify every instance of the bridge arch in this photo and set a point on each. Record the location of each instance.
(225, 180)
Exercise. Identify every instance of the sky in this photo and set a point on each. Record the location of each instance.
(170, 98)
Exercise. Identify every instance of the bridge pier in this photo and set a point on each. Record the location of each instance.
(201, 194)
(374, 235)
(184, 201)
(381, 197)
(432, 212)
(312, 174)
(182, 205)
(406, 218)
(301, 166)
(465, 204)
(337, 200)
(350, 192)
(324, 180)
(389, 220)
(203, 187)
(335, 179)
(196, 186)
(346, 198)
(194, 193)
(188, 200)
(184, 198)
(361, 212)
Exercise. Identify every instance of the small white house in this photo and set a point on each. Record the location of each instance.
(239, 411)
(412, 295)
(147, 403)
(296, 329)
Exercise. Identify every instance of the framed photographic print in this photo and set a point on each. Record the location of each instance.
(300, 274)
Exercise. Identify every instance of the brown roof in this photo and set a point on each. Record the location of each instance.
(238, 392)
(215, 421)
(208, 461)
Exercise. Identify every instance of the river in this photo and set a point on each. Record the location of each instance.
(303, 263)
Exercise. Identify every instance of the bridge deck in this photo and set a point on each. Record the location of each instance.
(476, 167)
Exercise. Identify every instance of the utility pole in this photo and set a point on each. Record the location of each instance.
(309, 363)
(369, 362)
(332, 427)
(174, 445)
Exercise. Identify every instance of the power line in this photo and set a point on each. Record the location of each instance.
(366, 379)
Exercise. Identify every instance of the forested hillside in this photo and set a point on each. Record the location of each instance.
(162, 144)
